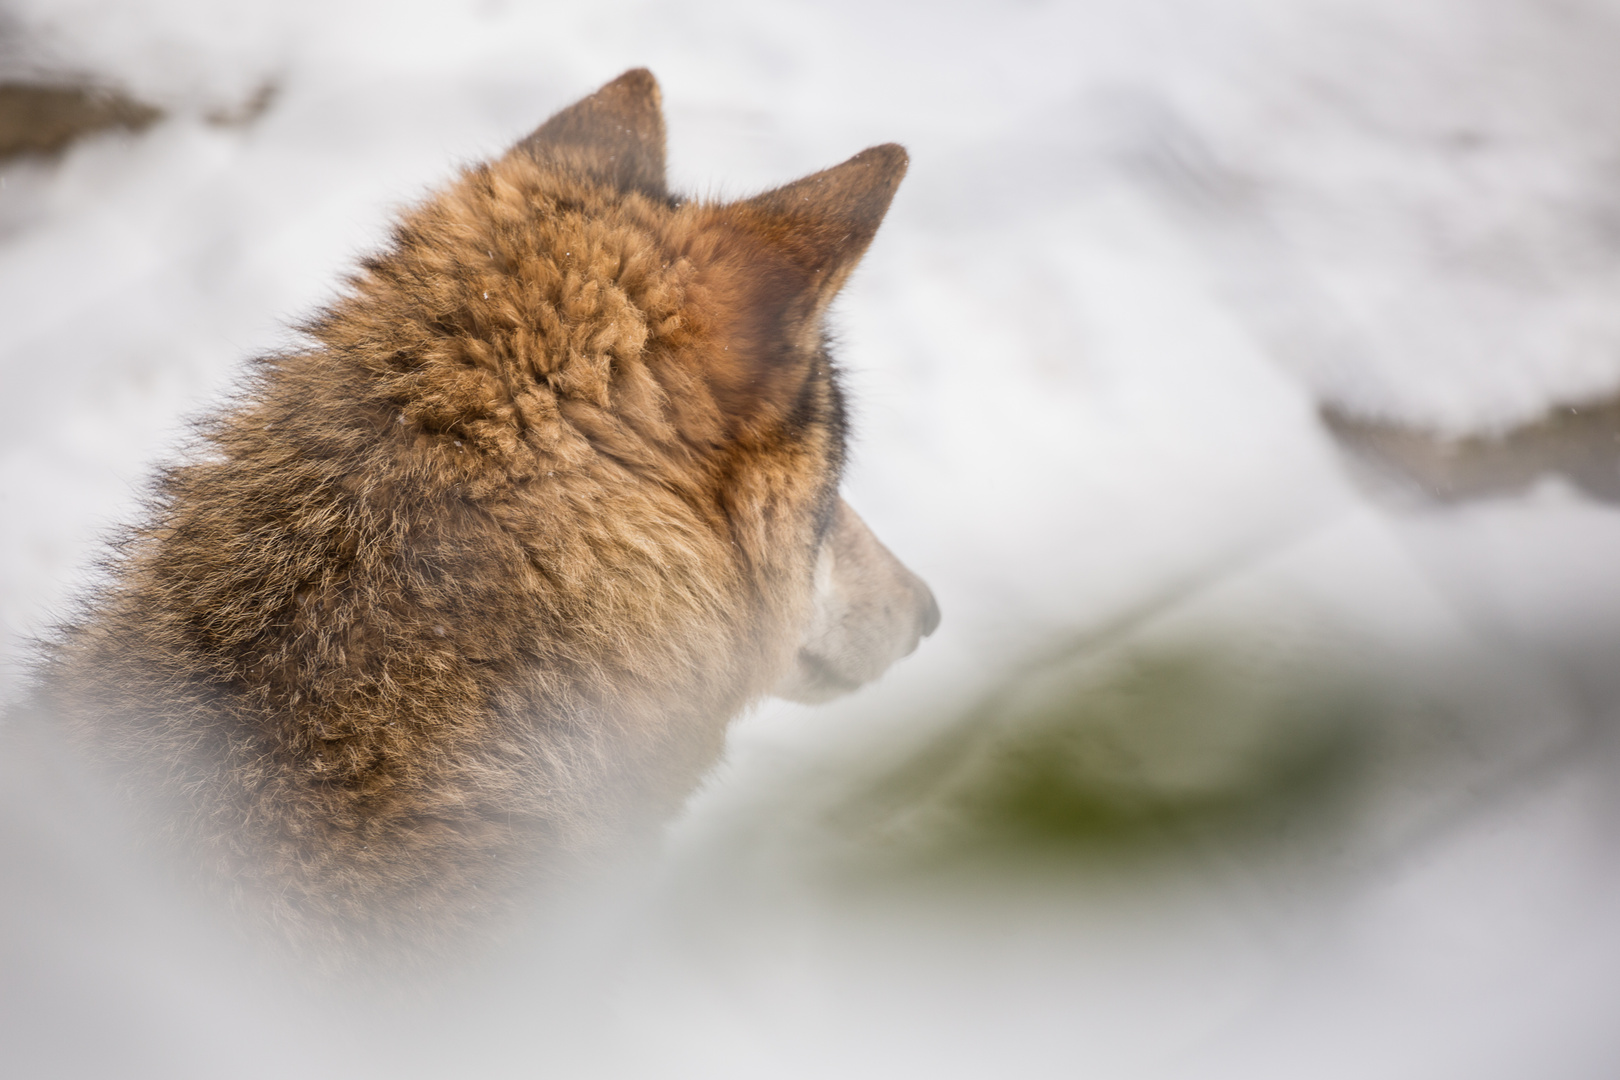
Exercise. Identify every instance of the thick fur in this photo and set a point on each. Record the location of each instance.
(472, 585)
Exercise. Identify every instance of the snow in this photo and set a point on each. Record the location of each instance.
(1139, 245)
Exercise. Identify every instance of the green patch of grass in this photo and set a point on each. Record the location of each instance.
(1138, 751)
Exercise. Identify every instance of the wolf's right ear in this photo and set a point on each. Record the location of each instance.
(616, 135)
(824, 223)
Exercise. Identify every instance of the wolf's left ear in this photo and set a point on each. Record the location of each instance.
(615, 135)
(824, 223)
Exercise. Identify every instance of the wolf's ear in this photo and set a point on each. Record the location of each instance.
(824, 223)
(615, 135)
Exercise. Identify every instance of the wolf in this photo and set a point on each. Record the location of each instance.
(448, 601)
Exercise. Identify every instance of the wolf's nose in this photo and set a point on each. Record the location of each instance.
(930, 615)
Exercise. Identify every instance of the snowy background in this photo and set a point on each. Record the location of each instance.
(1237, 755)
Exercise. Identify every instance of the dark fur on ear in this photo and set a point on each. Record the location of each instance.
(824, 223)
(616, 135)
(775, 261)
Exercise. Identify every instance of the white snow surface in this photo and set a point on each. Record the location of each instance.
(1138, 246)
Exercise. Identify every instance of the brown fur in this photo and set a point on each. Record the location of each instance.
(474, 583)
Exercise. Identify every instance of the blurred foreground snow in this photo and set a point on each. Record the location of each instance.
(1219, 766)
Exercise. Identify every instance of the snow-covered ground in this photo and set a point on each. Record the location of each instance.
(1221, 765)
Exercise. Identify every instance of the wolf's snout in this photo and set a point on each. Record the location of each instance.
(925, 609)
(930, 611)
(869, 611)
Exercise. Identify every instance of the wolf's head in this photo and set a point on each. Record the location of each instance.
(640, 387)
(728, 361)
(779, 259)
